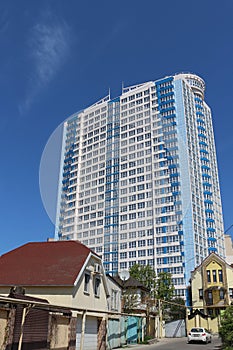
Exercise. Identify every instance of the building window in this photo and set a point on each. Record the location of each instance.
(221, 294)
(123, 265)
(132, 254)
(132, 244)
(123, 255)
(231, 293)
(201, 294)
(214, 276)
(87, 278)
(210, 298)
(208, 276)
(220, 276)
(141, 243)
(141, 253)
(97, 286)
(114, 303)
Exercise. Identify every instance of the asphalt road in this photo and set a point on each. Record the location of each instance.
(177, 344)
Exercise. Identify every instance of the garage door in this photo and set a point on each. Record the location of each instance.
(90, 338)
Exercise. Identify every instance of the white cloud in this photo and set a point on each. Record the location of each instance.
(49, 47)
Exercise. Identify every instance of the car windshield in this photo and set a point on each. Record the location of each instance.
(197, 330)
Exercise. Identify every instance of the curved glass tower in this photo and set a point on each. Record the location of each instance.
(139, 179)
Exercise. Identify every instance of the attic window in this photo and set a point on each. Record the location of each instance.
(214, 276)
(97, 286)
(208, 276)
(87, 278)
(220, 276)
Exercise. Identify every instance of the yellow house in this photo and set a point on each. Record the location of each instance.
(212, 285)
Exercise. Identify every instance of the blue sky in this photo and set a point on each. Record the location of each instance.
(58, 57)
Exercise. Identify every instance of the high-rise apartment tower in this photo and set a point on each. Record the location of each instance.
(139, 179)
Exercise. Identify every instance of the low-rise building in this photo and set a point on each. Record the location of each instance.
(64, 273)
(211, 293)
(134, 295)
(212, 285)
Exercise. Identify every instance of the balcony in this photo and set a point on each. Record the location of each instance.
(215, 296)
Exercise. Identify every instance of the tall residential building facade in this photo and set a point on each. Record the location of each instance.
(139, 179)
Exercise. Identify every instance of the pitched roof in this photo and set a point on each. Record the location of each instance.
(210, 257)
(56, 263)
(129, 283)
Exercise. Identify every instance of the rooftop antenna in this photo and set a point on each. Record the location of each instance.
(122, 87)
(124, 275)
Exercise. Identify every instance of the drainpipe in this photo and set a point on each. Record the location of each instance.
(83, 330)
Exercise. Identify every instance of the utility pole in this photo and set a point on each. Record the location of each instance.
(160, 319)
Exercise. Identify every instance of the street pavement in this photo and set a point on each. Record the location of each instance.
(174, 344)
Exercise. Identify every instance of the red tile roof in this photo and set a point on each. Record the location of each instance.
(55, 263)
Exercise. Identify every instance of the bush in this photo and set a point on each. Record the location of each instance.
(226, 328)
(146, 340)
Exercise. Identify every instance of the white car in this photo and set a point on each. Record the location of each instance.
(199, 334)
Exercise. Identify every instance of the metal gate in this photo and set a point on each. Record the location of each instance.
(90, 336)
(132, 329)
(35, 330)
(113, 333)
(175, 329)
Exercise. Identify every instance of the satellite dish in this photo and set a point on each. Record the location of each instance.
(124, 275)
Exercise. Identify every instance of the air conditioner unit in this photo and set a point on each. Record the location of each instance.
(97, 268)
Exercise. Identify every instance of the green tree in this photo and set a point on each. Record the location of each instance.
(164, 286)
(146, 275)
(177, 312)
(226, 328)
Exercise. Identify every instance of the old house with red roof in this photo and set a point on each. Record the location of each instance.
(64, 273)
